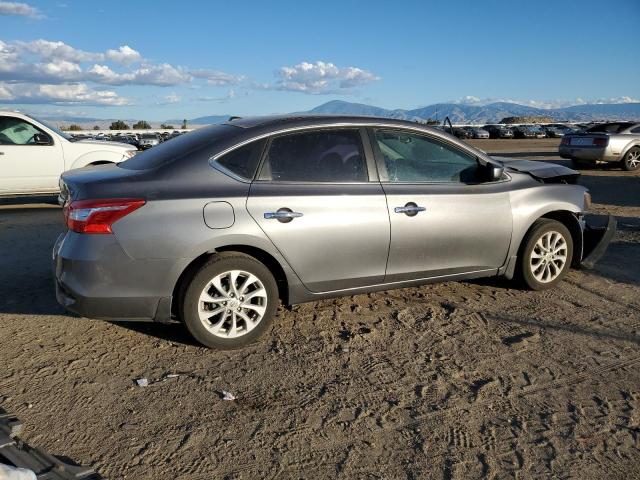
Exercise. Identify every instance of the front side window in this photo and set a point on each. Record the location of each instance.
(319, 156)
(410, 157)
(15, 131)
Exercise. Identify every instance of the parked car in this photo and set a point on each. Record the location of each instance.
(148, 140)
(538, 131)
(616, 142)
(552, 132)
(216, 227)
(498, 131)
(462, 133)
(33, 154)
(565, 129)
(523, 131)
(477, 132)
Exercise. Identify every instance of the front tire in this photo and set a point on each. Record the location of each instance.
(631, 161)
(230, 301)
(546, 254)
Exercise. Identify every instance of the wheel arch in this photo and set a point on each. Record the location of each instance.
(629, 146)
(259, 254)
(571, 221)
(568, 218)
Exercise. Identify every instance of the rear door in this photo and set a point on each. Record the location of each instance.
(25, 166)
(443, 222)
(315, 201)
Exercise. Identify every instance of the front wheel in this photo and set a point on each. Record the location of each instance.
(546, 254)
(631, 160)
(230, 301)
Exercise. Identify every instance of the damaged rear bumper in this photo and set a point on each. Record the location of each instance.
(595, 241)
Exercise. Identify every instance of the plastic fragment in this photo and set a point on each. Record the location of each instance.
(228, 396)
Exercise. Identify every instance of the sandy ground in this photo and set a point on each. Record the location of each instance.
(458, 380)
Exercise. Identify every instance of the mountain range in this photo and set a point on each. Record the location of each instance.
(490, 113)
(457, 113)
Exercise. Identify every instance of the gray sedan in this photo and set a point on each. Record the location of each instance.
(218, 226)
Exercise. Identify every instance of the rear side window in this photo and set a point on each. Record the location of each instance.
(609, 128)
(243, 161)
(635, 130)
(205, 137)
(320, 156)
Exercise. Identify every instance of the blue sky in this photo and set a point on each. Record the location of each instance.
(166, 60)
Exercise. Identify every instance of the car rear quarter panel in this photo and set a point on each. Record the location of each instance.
(176, 229)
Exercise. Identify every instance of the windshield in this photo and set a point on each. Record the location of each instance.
(55, 129)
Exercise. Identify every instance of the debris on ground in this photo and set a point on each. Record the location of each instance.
(228, 396)
(142, 382)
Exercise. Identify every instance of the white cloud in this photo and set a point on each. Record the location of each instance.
(70, 94)
(217, 78)
(320, 78)
(48, 50)
(163, 75)
(19, 9)
(172, 98)
(43, 61)
(231, 94)
(125, 55)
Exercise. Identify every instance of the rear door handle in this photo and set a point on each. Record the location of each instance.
(410, 209)
(283, 215)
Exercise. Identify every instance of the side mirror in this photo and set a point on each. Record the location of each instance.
(41, 139)
(493, 172)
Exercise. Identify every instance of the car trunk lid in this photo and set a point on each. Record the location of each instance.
(99, 181)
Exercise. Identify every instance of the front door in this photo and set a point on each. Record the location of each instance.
(27, 166)
(443, 221)
(314, 201)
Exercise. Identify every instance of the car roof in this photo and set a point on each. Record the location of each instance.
(277, 122)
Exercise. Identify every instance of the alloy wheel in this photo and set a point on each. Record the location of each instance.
(633, 159)
(232, 304)
(548, 257)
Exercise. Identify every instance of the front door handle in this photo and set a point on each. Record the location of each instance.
(283, 215)
(410, 209)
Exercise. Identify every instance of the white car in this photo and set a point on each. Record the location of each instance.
(34, 154)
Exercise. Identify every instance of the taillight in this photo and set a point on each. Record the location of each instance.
(97, 216)
(565, 141)
(601, 141)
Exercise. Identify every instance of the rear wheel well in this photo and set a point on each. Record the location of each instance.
(569, 220)
(263, 257)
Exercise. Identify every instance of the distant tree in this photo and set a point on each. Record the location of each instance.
(166, 127)
(184, 124)
(141, 125)
(74, 127)
(119, 125)
(96, 127)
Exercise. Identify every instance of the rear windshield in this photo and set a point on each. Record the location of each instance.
(610, 127)
(178, 147)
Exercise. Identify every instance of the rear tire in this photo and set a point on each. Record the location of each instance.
(545, 255)
(631, 161)
(230, 301)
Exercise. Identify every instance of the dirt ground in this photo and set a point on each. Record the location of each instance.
(457, 380)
